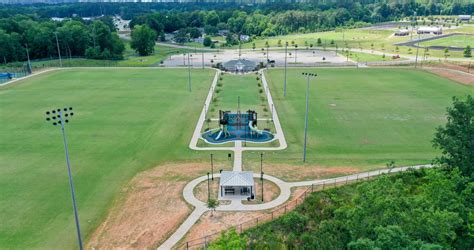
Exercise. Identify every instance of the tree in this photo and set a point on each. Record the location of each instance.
(207, 41)
(456, 138)
(194, 32)
(446, 53)
(229, 240)
(319, 42)
(143, 40)
(467, 51)
(181, 36)
(212, 204)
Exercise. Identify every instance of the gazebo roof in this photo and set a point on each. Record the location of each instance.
(234, 178)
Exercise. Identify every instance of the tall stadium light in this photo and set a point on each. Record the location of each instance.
(28, 57)
(59, 117)
(189, 74)
(284, 83)
(308, 77)
(59, 51)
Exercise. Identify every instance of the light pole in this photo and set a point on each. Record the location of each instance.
(212, 167)
(208, 188)
(296, 52)
(417, 48)
(284, 83)
(308, 76)
(59, 51)
(61, 117)
(261, 172)
(189, 74)
(202, 62)
(28, 57)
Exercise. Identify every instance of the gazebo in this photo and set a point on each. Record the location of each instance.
(236, 183)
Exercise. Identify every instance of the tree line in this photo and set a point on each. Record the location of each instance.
(419, 209)
(28, 35)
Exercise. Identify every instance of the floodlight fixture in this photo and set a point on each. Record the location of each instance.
(308, 77)
(58, 117)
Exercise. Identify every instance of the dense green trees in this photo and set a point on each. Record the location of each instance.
(456, 138)
(76, 37)
(143, 40)
(282, 18)
(418, 209)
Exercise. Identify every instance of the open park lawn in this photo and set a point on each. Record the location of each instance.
(362, 117)
(459, 41)
(232, 87)
(125, 121)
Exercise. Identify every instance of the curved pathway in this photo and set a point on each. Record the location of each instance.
(236, 205)
(285, 192)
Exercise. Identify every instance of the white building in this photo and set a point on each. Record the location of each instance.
(464, 18)
(430, 30)
(235, 184)
(403, 32)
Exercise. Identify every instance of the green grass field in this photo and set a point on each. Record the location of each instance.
(380, 40)
(126, 121)
(459, 41)
(131, 59)
(362, 117)
(243, 86)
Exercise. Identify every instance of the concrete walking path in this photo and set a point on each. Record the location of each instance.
(285, 193)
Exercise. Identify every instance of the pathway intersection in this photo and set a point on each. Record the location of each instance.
(236, 205)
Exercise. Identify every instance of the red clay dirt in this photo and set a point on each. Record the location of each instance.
(148, 210)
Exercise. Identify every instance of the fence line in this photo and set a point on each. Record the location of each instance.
(203, 242)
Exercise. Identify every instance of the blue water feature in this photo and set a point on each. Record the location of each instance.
(239, 130)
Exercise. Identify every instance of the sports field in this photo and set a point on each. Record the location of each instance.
(126, 121)
(459, 41)
(362, 117)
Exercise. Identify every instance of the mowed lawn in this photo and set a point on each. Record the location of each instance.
(459, 41)
(362, 117)
(243, 86)
(125, 121)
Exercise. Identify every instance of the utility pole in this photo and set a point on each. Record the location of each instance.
(308, 76)
(284, 83)
(61, 117)
(202, 62)
(59, 51)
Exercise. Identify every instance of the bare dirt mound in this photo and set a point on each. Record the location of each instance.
(460, 77)
(149, 209)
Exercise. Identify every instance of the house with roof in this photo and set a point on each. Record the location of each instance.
(430, 30)
(236, 184)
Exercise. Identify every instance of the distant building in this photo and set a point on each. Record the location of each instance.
(223, 32)
(464, 18)
(403, 32)
(244, 38)
(430, 30)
